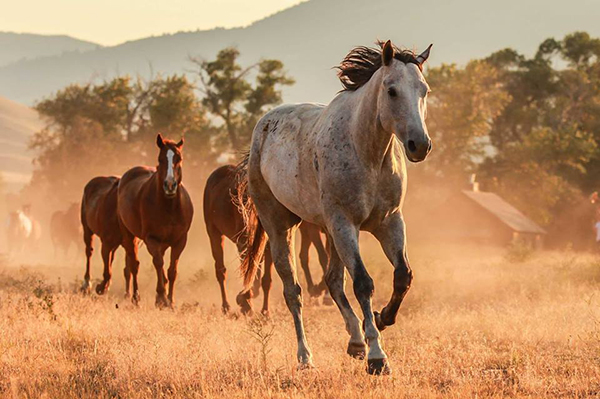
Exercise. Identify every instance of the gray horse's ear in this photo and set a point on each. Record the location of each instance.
(421, 58)
(387, 54)
(159, 141)
(180, 144)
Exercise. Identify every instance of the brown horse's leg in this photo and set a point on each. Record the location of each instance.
(132, 264)
(107, 251)
(323, 256)
(176, 251)
(216, 246)
(305, 260)
(267, 281)
(157, 251)
(391, 234)
(88, 239)
(127, 274)
(244, 299)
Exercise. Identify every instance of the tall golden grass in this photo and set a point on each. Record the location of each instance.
(473, 325)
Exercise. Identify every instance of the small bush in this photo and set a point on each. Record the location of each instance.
(518, 252)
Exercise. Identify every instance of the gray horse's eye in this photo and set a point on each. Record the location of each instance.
(392, 92)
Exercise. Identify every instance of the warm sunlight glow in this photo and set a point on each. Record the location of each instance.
(110, 22)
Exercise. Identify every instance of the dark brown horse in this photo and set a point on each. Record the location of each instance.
(65, 229)
(99, 217)
(155, 207)
(223, 219)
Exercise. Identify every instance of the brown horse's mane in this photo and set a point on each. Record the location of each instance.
(362, 62)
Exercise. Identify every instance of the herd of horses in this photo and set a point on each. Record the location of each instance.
(331, 169)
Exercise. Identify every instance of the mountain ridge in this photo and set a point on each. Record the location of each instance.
(312, 37)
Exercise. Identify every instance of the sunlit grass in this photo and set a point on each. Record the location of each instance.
(473, 324)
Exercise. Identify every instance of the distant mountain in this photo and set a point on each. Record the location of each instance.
(17, 124)
(313, 36)
(25, 46)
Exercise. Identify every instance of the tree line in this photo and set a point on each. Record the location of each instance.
(528, 126)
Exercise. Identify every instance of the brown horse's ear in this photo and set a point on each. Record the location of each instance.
(387, 53)
(159, 141)
(180, 144)
(421, 58)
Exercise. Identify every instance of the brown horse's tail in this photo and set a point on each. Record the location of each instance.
(253, 229)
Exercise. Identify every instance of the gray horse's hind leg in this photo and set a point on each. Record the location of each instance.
(345, 240)
(392, 236)
(280, 224)
(336, 279)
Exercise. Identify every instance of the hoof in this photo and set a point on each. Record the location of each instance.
(265, 313)
(101, 289)
(378, 367)
(225, 308)
(127, 296)
(328, 301)
(135, 298)
(357, 350)
(161, 302)
(86, 288)
(306, 365)
(378, 322)
(243, 300)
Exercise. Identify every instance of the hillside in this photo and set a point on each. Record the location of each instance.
(24, 46)
(17, 124)
(313, 36)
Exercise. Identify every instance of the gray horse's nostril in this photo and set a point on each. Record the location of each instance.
(412, 147)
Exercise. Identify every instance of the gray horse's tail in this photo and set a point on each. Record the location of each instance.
(253, 229)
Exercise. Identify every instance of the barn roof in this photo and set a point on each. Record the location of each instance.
(508, 214)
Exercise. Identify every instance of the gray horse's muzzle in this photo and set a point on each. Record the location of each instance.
(417, 150)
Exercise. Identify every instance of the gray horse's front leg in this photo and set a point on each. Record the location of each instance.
(336, 280)
(392, 236)
(345, 240)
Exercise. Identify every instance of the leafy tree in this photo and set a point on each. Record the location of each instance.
(461, 111)
(229, 95)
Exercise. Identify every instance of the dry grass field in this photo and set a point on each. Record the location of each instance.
(475, 324)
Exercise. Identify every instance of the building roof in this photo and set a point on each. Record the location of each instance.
(505, 212)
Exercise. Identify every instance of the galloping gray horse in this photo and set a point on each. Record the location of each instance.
(341, 166)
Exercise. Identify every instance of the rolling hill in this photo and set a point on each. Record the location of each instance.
(17, 124)
(313, 36)
(25, 46)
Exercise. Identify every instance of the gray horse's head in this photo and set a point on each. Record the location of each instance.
(402, 100)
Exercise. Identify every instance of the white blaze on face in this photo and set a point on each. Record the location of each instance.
(170, 172)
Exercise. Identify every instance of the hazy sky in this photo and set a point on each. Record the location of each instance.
(110, 22)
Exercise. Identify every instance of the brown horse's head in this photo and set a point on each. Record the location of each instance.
(169, 165)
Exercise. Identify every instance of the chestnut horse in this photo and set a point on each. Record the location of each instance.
(154, 206)
(99, 217)
(223, 219)
(65, 229)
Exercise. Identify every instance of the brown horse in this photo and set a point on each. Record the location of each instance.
(223, 219)
(99, 217)
(65, 229)
(154, 206)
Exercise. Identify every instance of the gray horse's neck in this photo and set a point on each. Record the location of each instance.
(371, 141)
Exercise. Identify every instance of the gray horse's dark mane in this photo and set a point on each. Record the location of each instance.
(362, 62)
